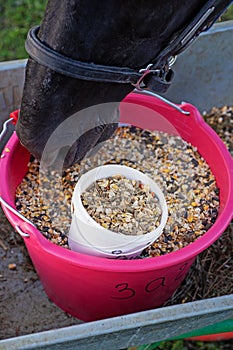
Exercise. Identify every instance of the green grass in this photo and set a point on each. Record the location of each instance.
(192, 345)
(228, 15)
(17, 16)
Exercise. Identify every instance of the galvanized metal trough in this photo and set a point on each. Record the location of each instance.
(204, 78)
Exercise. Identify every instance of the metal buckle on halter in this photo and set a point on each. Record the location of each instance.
(160, 73)
(144, 71)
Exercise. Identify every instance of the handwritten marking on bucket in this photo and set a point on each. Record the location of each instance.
(125, 291)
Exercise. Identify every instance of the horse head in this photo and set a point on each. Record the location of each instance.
(108, 33)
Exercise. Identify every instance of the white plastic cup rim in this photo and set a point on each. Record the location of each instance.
(87, 235)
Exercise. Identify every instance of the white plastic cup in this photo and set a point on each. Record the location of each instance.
(88, 237)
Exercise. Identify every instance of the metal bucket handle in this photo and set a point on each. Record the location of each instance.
(13, 119)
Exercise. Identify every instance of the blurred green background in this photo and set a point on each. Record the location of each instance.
(17, 16)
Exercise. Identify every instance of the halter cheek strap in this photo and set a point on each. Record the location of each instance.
(157, 76)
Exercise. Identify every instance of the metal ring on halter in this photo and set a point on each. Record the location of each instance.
(171, 61)
(173, 105)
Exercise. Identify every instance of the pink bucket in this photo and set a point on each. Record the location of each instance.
(92, 288)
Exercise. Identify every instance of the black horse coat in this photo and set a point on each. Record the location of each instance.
(119, 33)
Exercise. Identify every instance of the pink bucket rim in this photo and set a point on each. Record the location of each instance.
(173, 258)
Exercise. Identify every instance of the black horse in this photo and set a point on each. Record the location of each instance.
(102, 34)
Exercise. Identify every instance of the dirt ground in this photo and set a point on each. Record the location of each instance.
(26, 309)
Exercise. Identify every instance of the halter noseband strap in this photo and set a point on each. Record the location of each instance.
(156, 77)
(62, 64)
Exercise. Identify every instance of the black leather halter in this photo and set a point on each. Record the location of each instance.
(90, 71)
(157, 76)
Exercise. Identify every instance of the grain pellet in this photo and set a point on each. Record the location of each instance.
(184, 177)
(122, 205)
